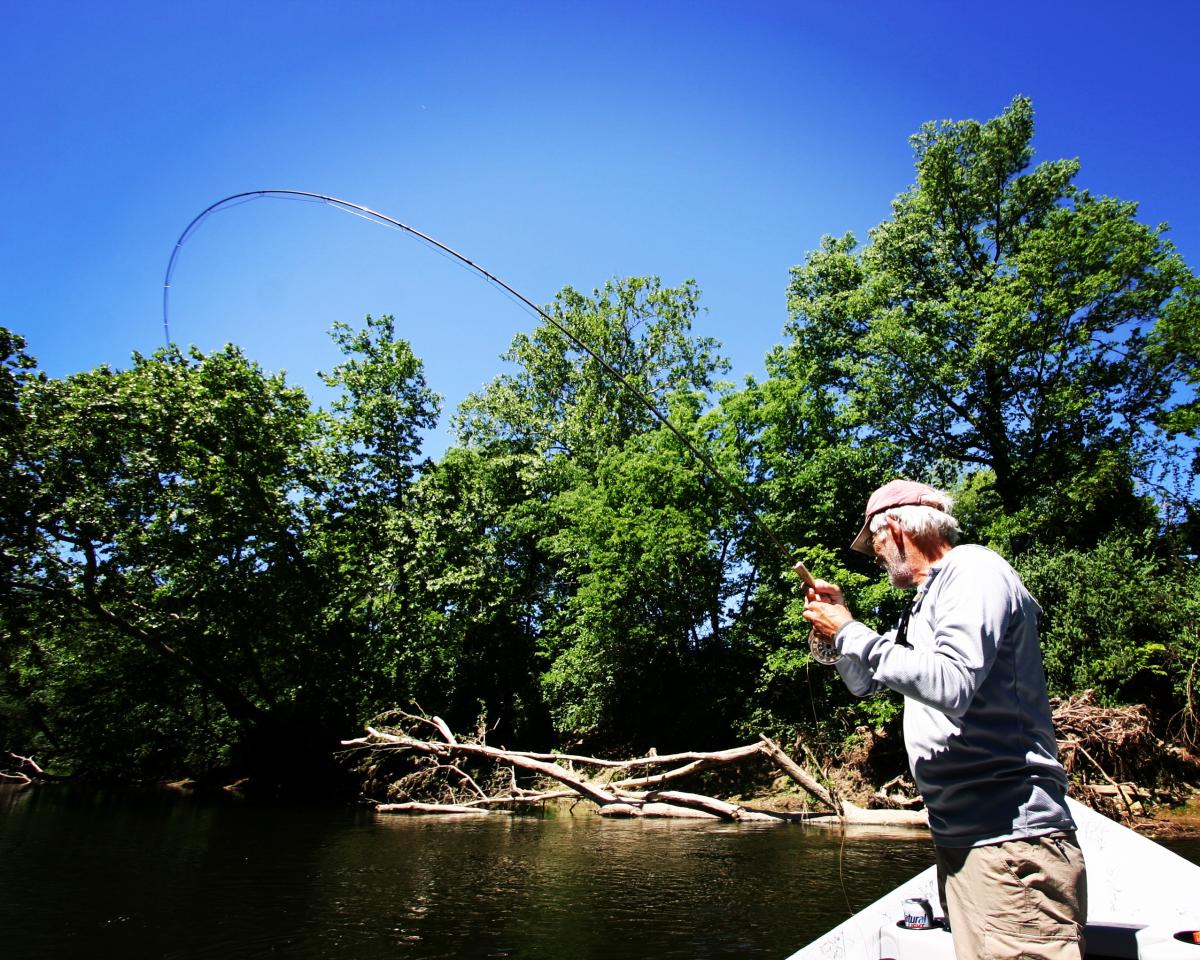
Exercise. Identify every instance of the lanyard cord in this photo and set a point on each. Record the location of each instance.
(902, 628)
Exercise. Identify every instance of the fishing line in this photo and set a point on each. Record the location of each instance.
(850, 911)
(819, 648)
(368, 214)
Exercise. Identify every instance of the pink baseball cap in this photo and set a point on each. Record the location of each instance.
(898, 493)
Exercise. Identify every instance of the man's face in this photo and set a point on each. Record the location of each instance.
(890, 550)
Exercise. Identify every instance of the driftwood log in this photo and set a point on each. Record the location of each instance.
(638, 787)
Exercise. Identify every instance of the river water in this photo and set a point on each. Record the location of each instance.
(88, 874)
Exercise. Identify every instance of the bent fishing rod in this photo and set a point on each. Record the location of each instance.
(819, 649)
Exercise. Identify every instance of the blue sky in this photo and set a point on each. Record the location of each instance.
(553, 143)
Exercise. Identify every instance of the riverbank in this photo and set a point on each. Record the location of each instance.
(1158, 821)
(1169, 822)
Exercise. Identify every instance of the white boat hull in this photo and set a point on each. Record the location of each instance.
(1140, 895)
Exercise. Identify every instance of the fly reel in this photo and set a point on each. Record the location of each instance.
(823, 649)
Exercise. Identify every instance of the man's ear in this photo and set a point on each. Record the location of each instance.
(896, 531)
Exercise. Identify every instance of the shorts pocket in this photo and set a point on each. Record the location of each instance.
(1043, 940)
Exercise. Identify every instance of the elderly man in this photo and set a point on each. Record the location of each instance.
(977, 726)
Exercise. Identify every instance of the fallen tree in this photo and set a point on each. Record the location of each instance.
(636, 787)
(1116, 764)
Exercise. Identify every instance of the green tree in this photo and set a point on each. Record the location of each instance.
(1143, 652)
(809, 468)
(641, 650)
(561, 401)
(476, 555)
(163, 521)
(1009, 335)
(209, 570)
(21, 723)
(359, 518)
(571, 515)
(1006, 321)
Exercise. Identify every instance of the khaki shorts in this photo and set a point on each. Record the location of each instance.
(1016, 899)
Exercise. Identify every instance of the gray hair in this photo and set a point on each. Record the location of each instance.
(923, 523)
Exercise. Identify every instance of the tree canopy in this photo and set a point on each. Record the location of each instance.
(1006, 320)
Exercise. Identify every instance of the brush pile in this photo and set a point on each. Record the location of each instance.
(1116, 763)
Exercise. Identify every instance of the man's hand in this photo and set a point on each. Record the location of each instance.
(825, 608)
(823, 590)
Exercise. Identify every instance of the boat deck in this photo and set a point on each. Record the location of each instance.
(1142, 899)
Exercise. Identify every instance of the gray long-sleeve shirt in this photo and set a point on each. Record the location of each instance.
(977, 723)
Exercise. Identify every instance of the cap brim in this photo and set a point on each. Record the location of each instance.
(862, 543)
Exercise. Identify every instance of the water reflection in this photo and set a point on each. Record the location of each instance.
(89, 874)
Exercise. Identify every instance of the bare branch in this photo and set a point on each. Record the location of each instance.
(443, 729)
(800, 775)
(466, 776)
(28, 762)
(702, 762)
